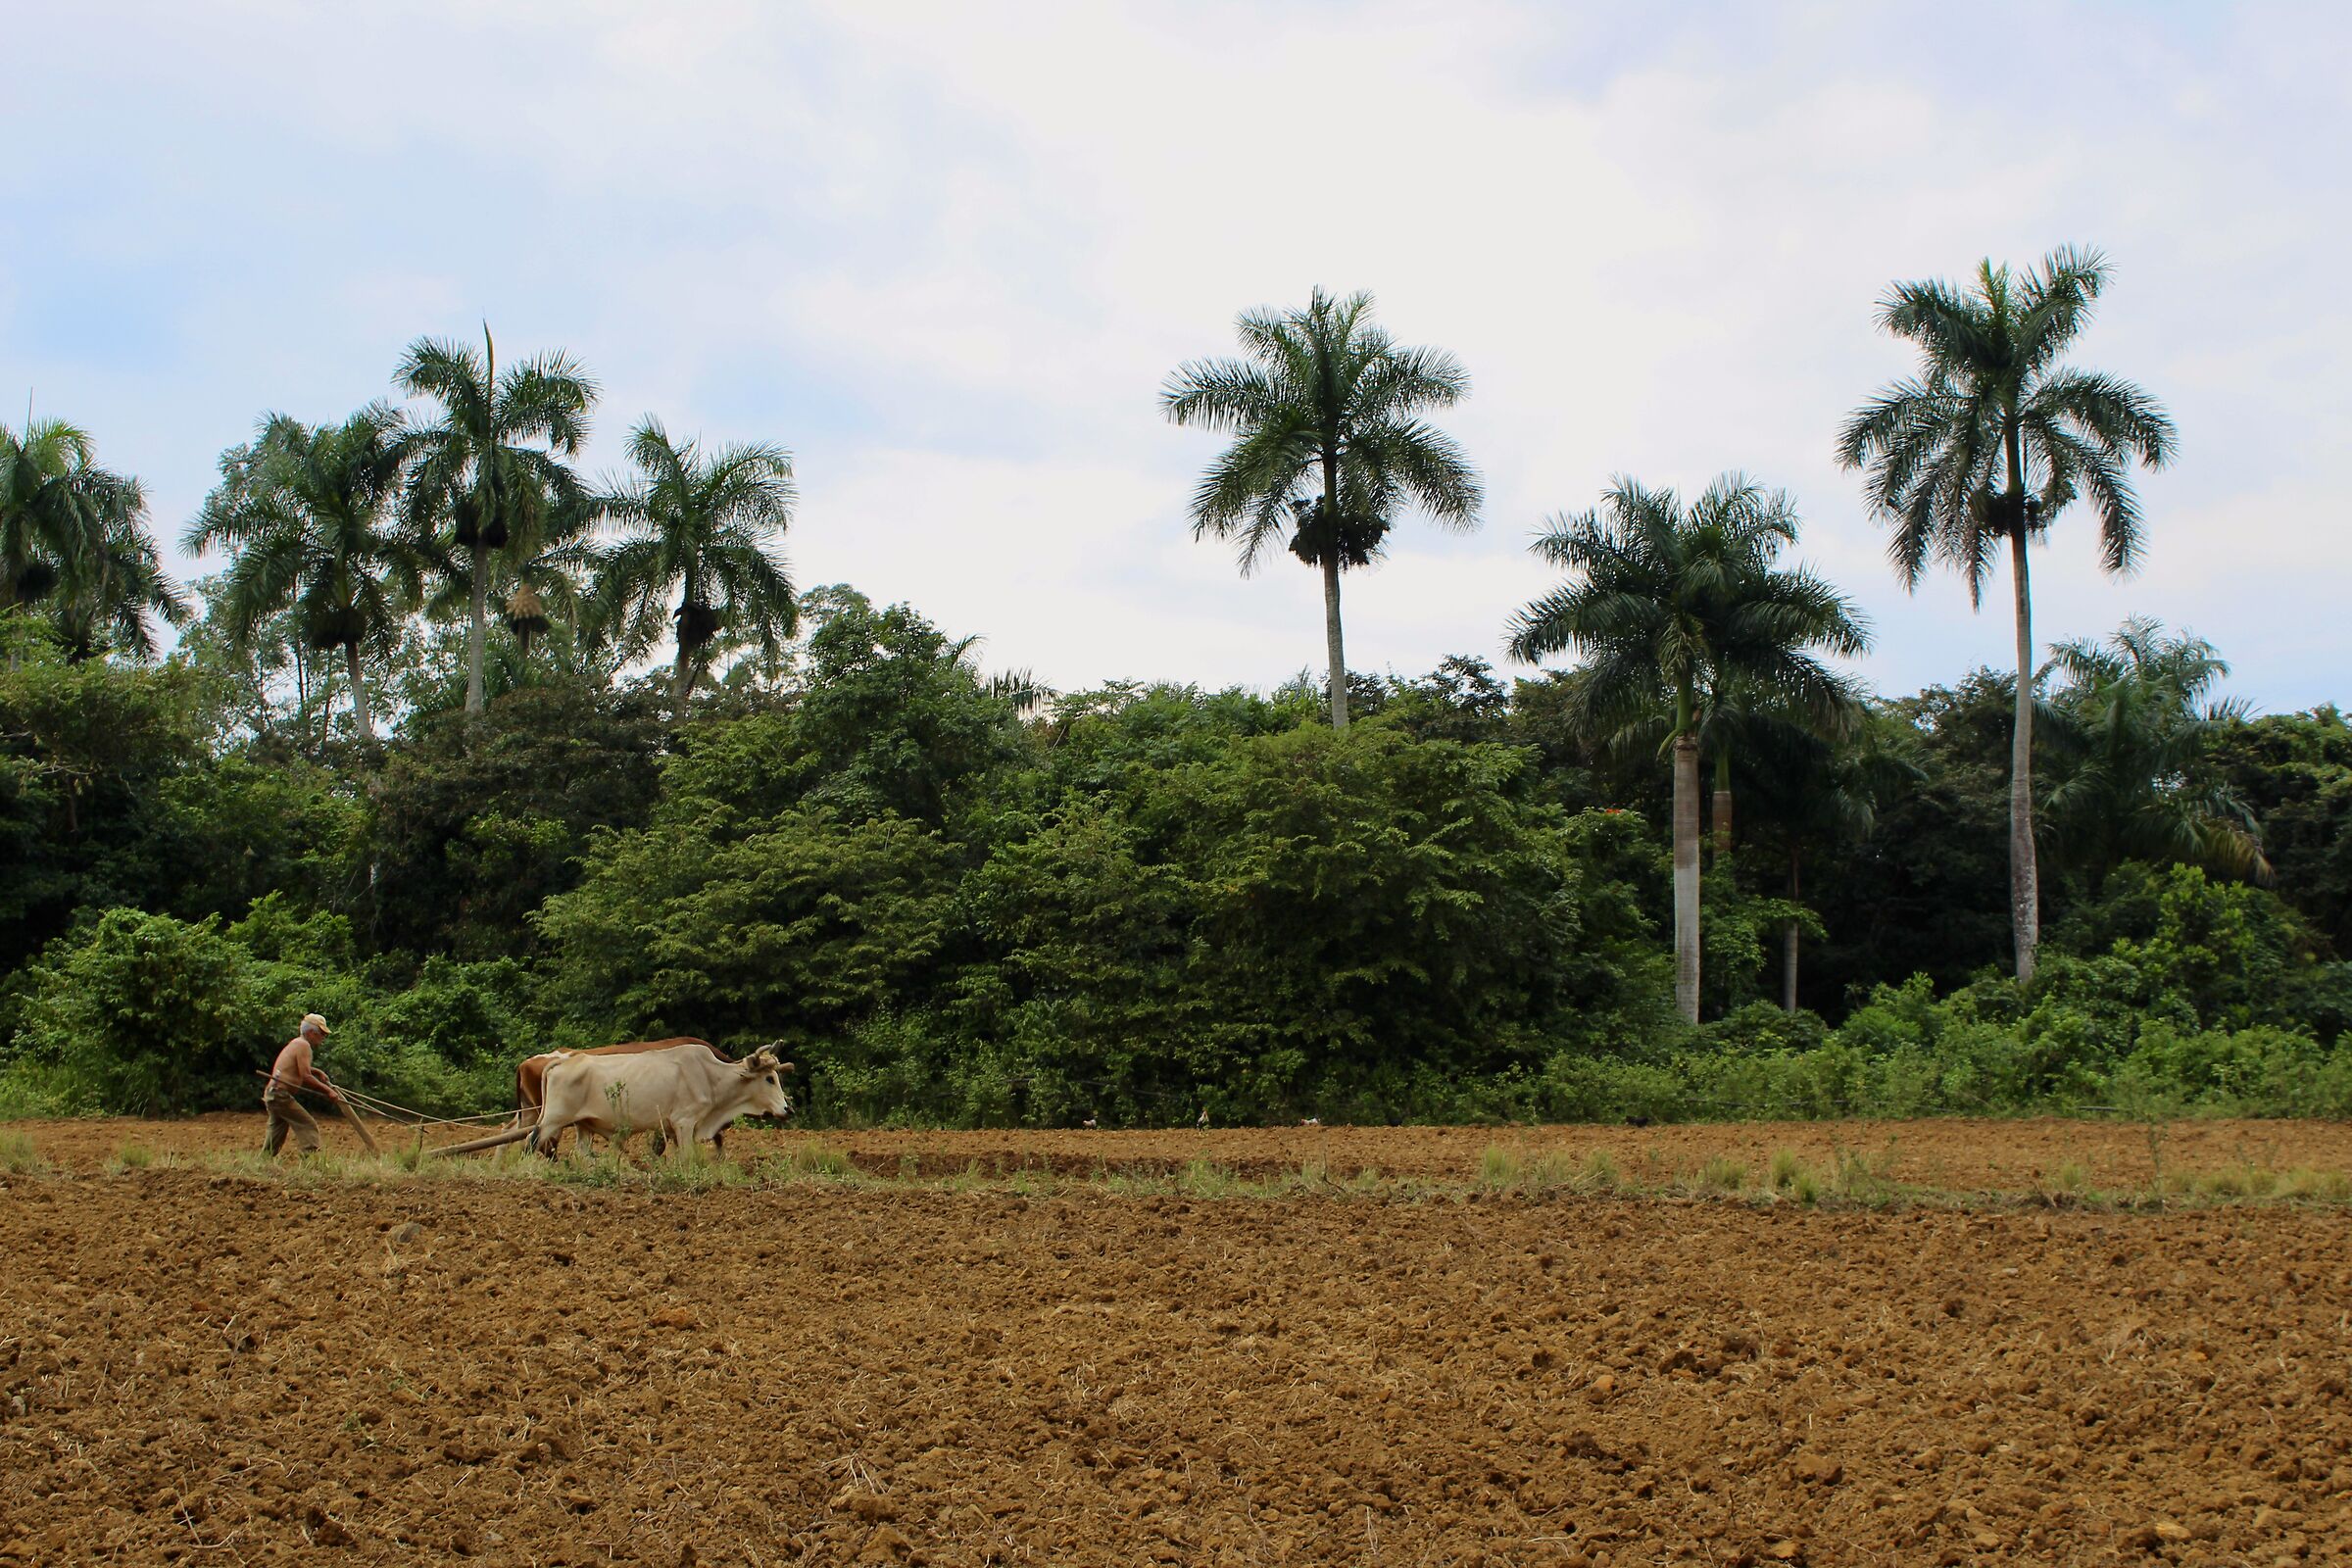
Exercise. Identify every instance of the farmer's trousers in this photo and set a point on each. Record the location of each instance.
(286, 1116)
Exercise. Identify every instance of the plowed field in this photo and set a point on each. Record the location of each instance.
(202, 1367)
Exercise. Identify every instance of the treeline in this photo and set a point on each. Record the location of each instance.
(959, 902)
(402, 768)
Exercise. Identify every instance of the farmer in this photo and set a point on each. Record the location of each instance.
(292, 1071)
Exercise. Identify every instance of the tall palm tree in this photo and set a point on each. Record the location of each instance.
(484, 477)
(699, 527)
(1677, 609)
(55, 502)
(2130, 733)
(1988, 443)
(1329, 444)
(309, 514)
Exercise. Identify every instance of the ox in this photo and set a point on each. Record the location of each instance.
(530, 1074)
(688, 1094)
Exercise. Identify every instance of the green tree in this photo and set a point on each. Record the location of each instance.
(54, 500)
(1330, 443)
(535, 591)
(113, 589)
(2130, 735)
(476, 822)
(2295, 770)
(146, 1015)
(702, 528)
(1815, 791)
(73, 536)
(307, 512)
(1988, 443)
(85, 747)
(1677, 609)
(1357, 925)
(484, 477)
(794, 925)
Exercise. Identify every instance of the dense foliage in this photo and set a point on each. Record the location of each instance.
(397, 771)
(1132, 905)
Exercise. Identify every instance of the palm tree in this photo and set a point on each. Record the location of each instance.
(111, 585)
(55, 502)
(1677, 610)
(699, 527)
(532, 592)
(1329, 444)
(2130, 735)
(308, 513)
(1990, 443)
(487, 468)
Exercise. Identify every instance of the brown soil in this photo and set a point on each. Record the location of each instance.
(1955, 1155)
(213, 1368)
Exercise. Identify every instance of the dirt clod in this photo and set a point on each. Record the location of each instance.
(1819, 1469)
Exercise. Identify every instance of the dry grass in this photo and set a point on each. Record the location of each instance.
(1856, 1179)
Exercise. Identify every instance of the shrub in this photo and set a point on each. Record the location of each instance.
(1763, 1026)
(149, 1015)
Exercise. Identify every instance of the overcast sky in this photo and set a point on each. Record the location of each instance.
(947, 255)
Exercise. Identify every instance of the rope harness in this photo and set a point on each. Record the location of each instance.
(355, 1101)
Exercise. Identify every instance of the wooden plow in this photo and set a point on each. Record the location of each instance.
(475, 1146)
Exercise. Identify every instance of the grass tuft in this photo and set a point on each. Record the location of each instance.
(2323, 1186)
(19, 1157)
(820, 1160)
(1721, 1174)
(1865, 1179)
(1201, 1178)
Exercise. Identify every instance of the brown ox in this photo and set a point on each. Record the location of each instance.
(531, 1079)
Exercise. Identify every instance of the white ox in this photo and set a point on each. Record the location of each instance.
(685, 1093)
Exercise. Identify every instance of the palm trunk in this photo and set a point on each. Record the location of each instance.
(476, 628)
(1788, 936)
(360, 718)
(682, 682)
(2025, 893)
(1722, 818)
(326, 702)
(1332, 643)
(1686, 876)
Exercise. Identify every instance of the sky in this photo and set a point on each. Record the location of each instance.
(948, 255)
